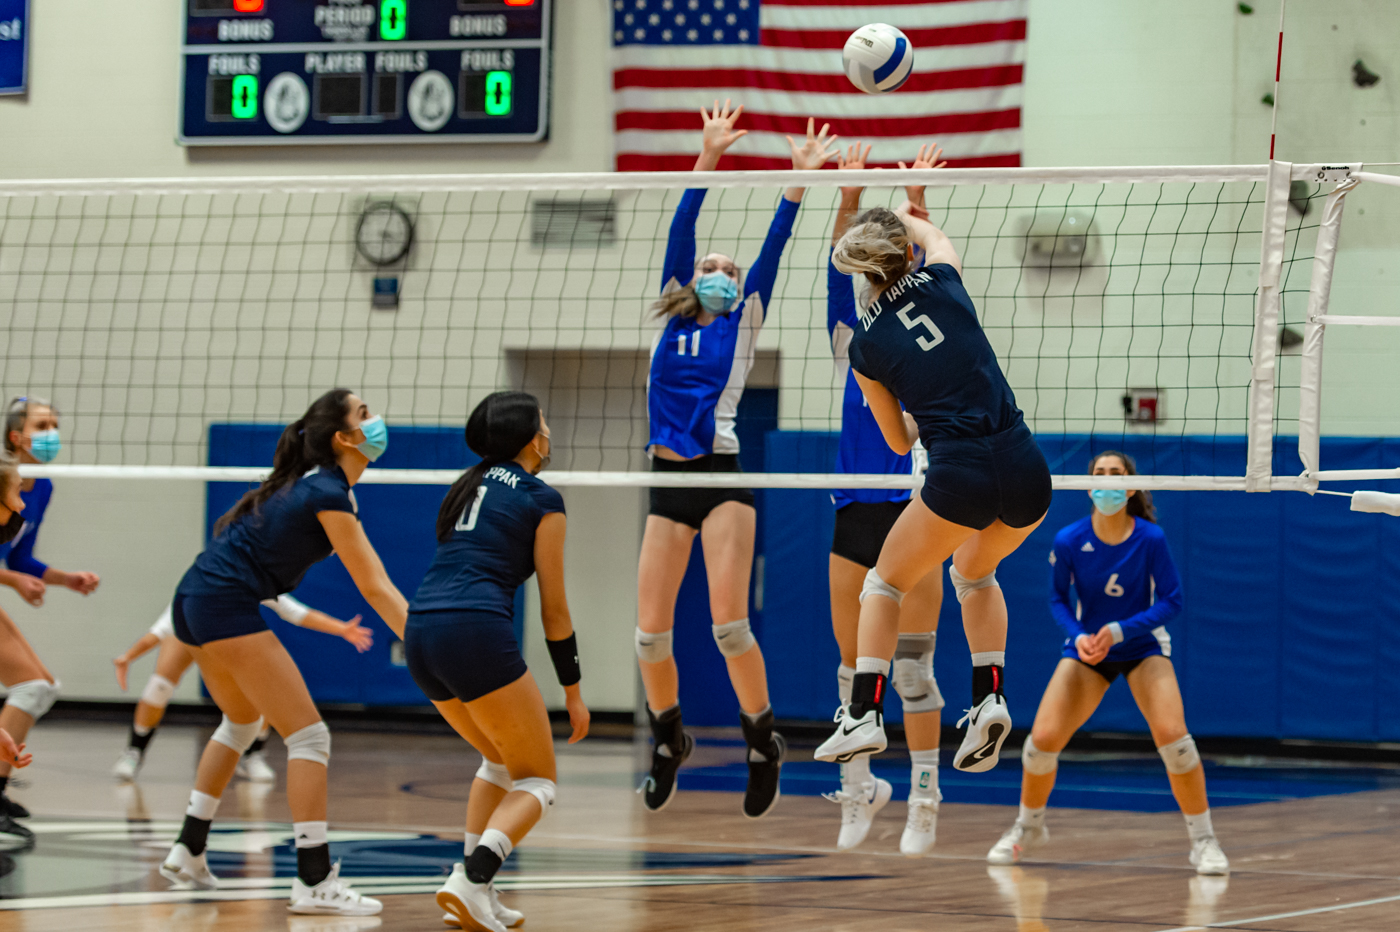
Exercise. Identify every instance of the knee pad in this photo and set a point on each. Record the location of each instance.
(913, 673)
(34, 697)
(311, 743)
(964, 586)
(874, 585)
(734, 638)
(1036, 761)
(653, 648)
(238, 737)
(1180, 756)
(158, 691)
(495, 774)
(541, 789)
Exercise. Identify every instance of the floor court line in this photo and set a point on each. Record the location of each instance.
(1291, 915)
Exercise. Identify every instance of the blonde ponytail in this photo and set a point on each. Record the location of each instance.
(876, 245)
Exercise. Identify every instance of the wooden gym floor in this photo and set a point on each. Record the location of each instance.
(1315, 848)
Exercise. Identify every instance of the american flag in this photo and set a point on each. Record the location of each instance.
(782, 60)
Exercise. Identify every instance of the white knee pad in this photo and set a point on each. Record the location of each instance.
(734, 638)
(874, 585)
(34, 697)
(653, 648)
(963, 586)
(495, 774)
(1034, 760)
(541, 789)
(158, 691)
(238, 737)
(311, 743)
(913, 673)
(1180, 756)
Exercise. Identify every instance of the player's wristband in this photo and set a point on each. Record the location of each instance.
(564, 653)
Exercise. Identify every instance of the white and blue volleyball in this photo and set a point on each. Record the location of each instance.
(878, 58)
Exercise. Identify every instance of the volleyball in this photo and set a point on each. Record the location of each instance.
(878, 58)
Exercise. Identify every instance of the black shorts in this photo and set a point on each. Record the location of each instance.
(975, 481)
(692, 506)
(1112, 669)
(861, 529)
(199, 619)
(461, 655)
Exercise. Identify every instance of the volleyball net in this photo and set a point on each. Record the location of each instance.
(1155, 310)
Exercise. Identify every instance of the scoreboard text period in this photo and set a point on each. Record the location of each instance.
(344, 71)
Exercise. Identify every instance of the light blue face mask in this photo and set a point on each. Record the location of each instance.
(44, 445)
(376, 438)
(1109, 501)
(716, 291)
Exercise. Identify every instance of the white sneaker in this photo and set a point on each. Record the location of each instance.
(189, 869)
(127, 766)
(1017, 842)
(920, 827)
(859, 803)
(865, 735)
(469, 902)
(1207, 857)
(510, 918)
(331, 897)
(255, 767)
(987, 727)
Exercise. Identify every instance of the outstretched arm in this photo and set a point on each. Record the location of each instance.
(355, 551)
(850, 197)
(718, 135)
(554, 607)
(936, 246)
(810, 156)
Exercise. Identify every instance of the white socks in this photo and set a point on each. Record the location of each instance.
(873, 665)
(923, 775)
(857, 771)
(498, 842)
(1032, 818)
(469, 843)
(202, 806)
(310, 834)
(1199, 826)
(989, 658)
(845, 677)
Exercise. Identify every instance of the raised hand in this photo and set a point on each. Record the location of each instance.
(719, 132)
(813, 153)
(928, 157)
(854, 158)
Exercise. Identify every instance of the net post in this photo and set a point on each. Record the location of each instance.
(1319, 294)
(1264, 354)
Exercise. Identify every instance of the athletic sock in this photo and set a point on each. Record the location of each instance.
(844, 677)
(856, 770)
(923, 775)
(140, 737)
(469, 843)
(1199, 826)
(483, 863)
(313, 852)
(1031, 818)
(666, 730)
(199, 815)
(988, 674)
(758, 733)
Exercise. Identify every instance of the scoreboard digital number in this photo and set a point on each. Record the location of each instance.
(259, 72)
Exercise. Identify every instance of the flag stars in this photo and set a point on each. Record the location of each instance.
(704, 19)
(641, 4)
(719, 35)
(680, 19)
(666, 4)
(743, 35)
(692, 34)
(743, 4)
(640, 34)
(731, 19)
(618, 5)
(627, 19)
(666, 34)
(654, 19)
(694, 4)
(618, 36)
(719, 4)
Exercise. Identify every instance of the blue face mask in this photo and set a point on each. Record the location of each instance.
(376, 438)
(44, 445)
(716, 291)
(1109, 501)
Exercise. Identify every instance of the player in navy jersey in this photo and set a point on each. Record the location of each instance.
(863, 519)
(31, 436)
(498, 525)
(1121, 569)
(928, 372)
(709, 319)
(262, 547)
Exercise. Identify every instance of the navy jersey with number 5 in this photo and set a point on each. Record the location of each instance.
(492, 548)
(922, 341)
(1133, 585)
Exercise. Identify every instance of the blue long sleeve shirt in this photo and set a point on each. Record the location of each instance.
(19, 553)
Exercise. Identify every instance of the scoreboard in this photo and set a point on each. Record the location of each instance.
(260, 72)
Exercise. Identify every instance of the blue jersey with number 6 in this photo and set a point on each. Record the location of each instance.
(922, 341)
(492, 548)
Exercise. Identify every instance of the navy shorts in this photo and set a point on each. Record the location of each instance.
(691, 506)
(861, 529)
(199, 619)
(975, 481)
(461, 655)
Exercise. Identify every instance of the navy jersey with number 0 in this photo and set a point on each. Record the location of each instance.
(1133, 585)
(19, 553)
(492, 548)
(922, 341)
(862, 447)
(698, 373)
(266, 553)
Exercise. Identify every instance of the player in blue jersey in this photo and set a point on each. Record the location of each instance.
(863, 520)
(709, 318)
(928, 372)
(498, 525)
(1121, 569)
(31, 436)
(12, 506)
(262, 547)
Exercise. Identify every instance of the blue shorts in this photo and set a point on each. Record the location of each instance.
(461, 655)
(199, 619)
(974, 481)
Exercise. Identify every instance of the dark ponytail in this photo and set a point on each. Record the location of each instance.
(306, 443)
(498, 429)
(1139, 505)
